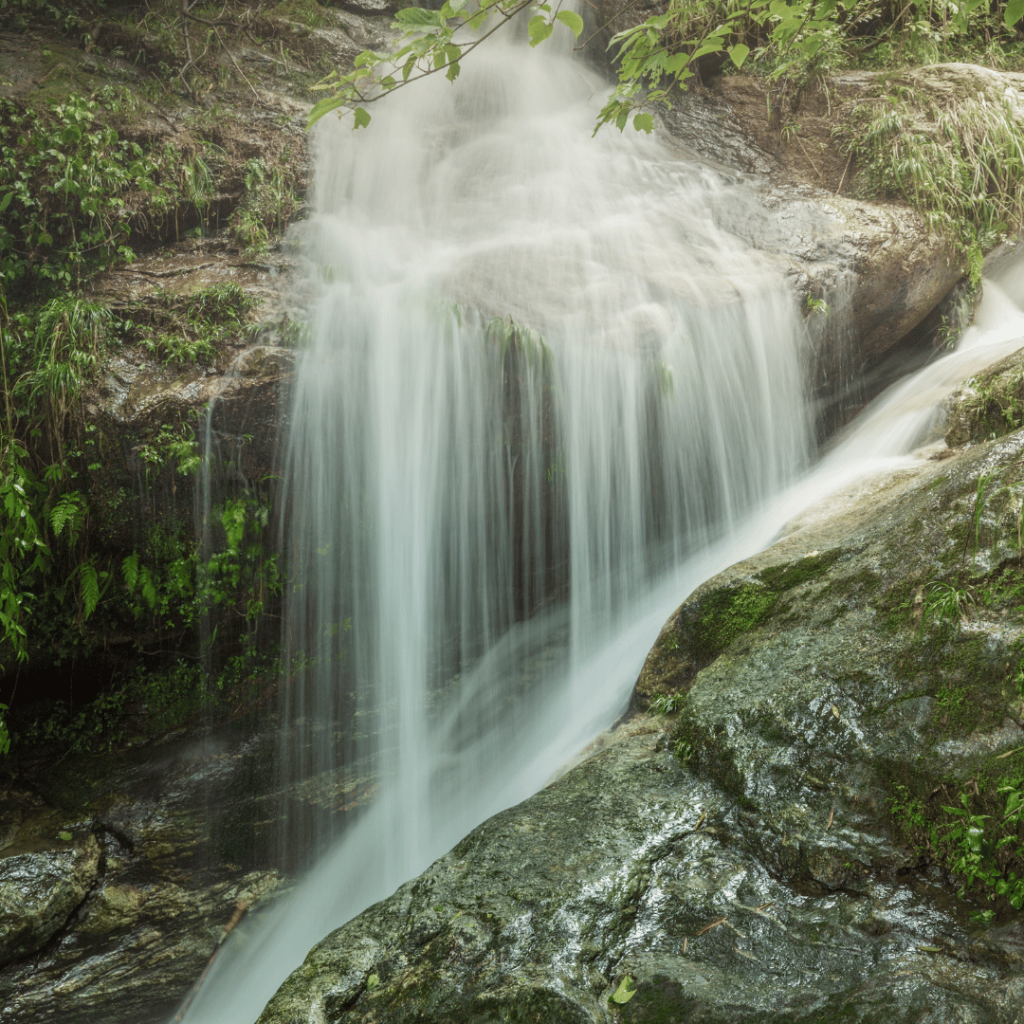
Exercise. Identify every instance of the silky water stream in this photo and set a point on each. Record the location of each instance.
(544, 398)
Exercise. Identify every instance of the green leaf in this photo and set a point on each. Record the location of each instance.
(572, 21)
(455, 6)
(624, 992)
(148, 587)
(130, 570)
(325, 106)
(811, 45)
(372, 982)
(361, 116)
(539, 28)
(6, 201)
(713, 44)
(1013, 13)
(418, 17)
(738, 54)
(89, 587)
(65, 837)
(644, 123)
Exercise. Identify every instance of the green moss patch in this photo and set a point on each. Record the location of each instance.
(725, 615)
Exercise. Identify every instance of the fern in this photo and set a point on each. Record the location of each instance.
(88, 588)
(68, 516)
(130, 571)
(148, 586)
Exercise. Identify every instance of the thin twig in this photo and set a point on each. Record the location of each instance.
(598, 31)
(237, 68)
(441, 67)
(240, 908)
(810, 158)
(845, 169)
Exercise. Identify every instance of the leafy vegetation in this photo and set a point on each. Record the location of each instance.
(100, 565)
(20, 14)
(988, 406)
(973, 826)
(659, 56)
(266, 207)
(63, 595)
(960, 162)
(64, 184)
(979, 836)
(72, 191)
(187, 329)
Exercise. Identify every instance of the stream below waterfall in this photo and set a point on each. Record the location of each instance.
(544, 399)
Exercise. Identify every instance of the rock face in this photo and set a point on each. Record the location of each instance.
(161, 850)
(990, 405)
(39, 892)
(752, 849)
(234, 402)
(629, 867)
(766, 857)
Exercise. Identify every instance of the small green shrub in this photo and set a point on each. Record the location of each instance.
(266, 207)
(65, 184)
(189, 329)
(961, 165)
(20, 14)
(667, 703)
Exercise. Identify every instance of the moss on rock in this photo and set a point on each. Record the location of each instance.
(988, 406)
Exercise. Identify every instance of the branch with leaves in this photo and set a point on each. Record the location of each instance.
(433, 41)
(655, 58)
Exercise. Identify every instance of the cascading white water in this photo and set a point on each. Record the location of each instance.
(486, 530)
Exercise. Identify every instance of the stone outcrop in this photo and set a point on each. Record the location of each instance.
(235, 402)
(39, 892)
(989, 405)
(689, 856)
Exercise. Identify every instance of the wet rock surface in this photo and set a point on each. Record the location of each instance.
(746, 860)
(234, 402)
(877, 264)
(741, 886)
(39, 891)
(162, 850)
(990, 405)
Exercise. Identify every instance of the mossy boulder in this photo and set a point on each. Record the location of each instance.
(631, 867)
(116, 887)
(39, 891)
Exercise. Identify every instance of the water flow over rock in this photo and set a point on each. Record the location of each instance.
(541, 382)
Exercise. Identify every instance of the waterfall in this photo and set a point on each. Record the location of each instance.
(543, 390)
